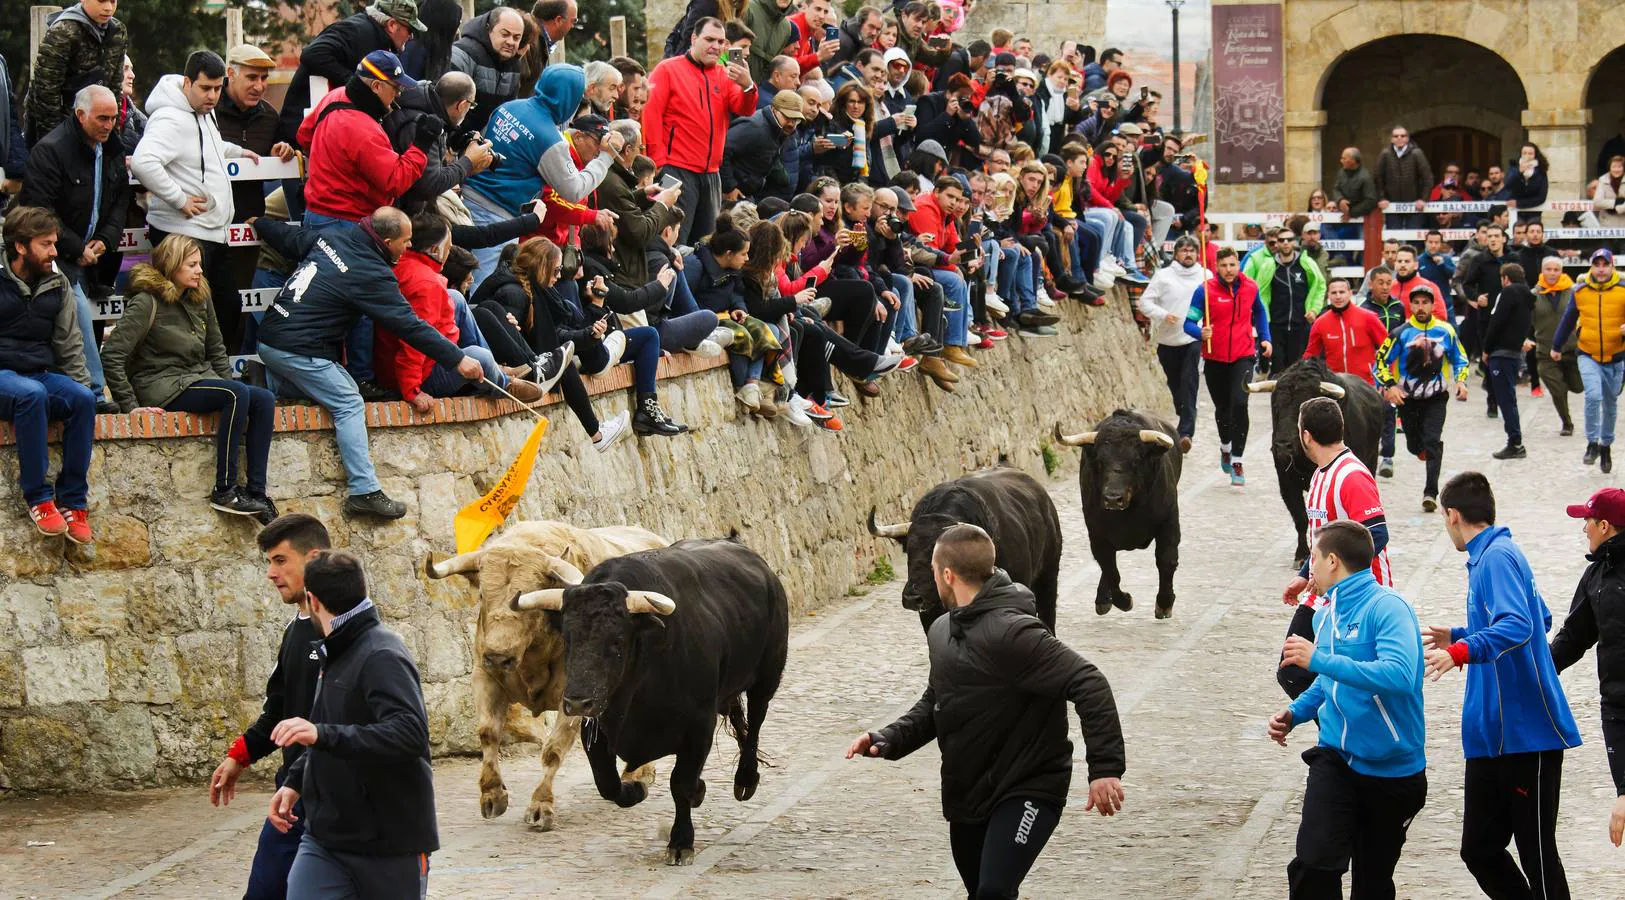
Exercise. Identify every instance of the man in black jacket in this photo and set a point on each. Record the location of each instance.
(334, 54)
(996, 705)
(365, 778)
(1509, 324)
(750, 159)
(488, 52)
(1597, 616)
(288, 543)
(449, 100)
(344, 274)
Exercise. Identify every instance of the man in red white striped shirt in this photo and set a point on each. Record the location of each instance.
(1341, 488)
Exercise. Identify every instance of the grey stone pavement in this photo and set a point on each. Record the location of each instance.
(1212, 805)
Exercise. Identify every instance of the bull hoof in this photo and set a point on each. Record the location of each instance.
(745, 786)
(1123, 601)
(1165, 612)
(493, 804)
(632, 793)
(699, 794)
(539, 817)
(679, 856)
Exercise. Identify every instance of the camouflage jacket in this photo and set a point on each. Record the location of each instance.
(74, 54)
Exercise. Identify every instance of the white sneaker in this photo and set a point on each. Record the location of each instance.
(1046, 304)
(722, 337)
(796, 411)
(893, 348)
(612, 431)
(996, 305)
(707, 347)
(615, 346)
(1112, 267)
(749, 396)
(1104, 280)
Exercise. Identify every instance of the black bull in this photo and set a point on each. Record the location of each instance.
(1129, 482)
(1012, 507)
(1363, 418)
(660, 643)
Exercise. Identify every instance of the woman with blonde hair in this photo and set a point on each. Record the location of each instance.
(167, 355)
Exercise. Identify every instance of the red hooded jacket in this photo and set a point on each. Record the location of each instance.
(928, 218)
(686, 120)
(398, 365)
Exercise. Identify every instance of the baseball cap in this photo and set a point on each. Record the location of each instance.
(788, 105)
(1607, 504)
(592, 124)
(1421, 290)
(933, 148)
(1311, 226)
(383, 65)
(1604, 254)
(402, 11)
(249, 55)
(1004, 58)
(905, 203)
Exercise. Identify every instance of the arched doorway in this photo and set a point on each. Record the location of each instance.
(1607, 104)
(1463, 98)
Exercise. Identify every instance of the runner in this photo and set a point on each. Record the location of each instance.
(1412, 368)
(1225, 315)
(996, 705)
(1341, 489)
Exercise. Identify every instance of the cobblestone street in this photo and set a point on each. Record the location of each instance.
(1212, 804)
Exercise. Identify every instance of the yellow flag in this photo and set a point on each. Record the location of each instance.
(477, 520)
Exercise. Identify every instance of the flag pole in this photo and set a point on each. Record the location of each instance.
(1201, 176)
(526, 406)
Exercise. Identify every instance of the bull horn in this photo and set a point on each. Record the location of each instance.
(460, 564)
(1074, 440)
(548, 598)
(1332, 389)
(896, 532)
(1261, 387)
(649, 602)
(565, 572)
(1153, 436)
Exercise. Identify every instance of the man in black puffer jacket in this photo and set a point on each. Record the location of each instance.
(365, 778)
(996, 705)
(1508, 327)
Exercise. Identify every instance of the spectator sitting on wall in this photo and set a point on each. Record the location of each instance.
(42, 374)
(168, 355)
(650, 302)
(77, 172)
(83, 46)
(488, 52)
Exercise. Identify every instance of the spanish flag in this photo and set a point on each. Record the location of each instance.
(476, 521)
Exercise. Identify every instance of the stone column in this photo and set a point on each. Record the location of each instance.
(1561, 135)
(1303, 156)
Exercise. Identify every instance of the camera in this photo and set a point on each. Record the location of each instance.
(894, 222)
(497, 159)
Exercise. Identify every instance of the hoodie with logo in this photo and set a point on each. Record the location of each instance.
(181, 155)
(529, 134)
(1367, 698)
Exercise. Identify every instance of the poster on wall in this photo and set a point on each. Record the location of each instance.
(1249, 94)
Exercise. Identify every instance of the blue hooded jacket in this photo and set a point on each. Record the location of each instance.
(529, 134)
(1367, 697)
(1515, 703)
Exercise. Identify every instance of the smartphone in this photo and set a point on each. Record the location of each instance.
(839, 140)
(726, 56)
(909, 109)
(668, 181)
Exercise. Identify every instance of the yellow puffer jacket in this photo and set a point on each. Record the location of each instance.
(1601, 308)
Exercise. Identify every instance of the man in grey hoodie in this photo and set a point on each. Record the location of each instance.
(1165, 302)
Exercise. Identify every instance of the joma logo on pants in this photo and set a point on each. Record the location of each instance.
(1027, 819)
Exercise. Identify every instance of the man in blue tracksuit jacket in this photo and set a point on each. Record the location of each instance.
(1368, 773)
(1515, 721)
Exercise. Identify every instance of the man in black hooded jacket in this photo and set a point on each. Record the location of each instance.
(996, 705)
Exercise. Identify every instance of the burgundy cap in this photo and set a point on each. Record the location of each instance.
(1607, 504)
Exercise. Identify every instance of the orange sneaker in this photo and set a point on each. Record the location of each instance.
(79, 526)
(833, 423)
(48, 519)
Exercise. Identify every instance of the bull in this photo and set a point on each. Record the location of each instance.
(517, 657)
(658, 645)
(1363, 418)
(1129, 484)
(1012, 507)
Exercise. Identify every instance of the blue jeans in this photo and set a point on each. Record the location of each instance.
(1119, 234)
(1504, 388)
(642, 351)
(958, 295)
(268, 875)
(907, 315)
(30, 403)
(483, 213)
(337, 875)
(315, 221)
(469, 333)
(1016, 281)
(444, 382)
(326, 382)
(1602, 383)
(87, 329)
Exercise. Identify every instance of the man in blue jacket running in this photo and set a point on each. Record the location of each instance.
(1368, 773)
(1515, 721)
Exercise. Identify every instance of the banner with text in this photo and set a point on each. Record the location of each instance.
(1249, 94)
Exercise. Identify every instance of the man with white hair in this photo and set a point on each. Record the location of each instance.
(78, 174)
(603, 89)
(488, 52)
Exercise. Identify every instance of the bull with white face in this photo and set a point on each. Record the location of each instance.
(518, 658)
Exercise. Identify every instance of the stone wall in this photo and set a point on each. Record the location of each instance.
(140, 666)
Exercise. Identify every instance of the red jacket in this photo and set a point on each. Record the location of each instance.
(560, 215)
(805, 49)
(1235, 314)
(398, 365)
(1348, 339)
(1402, 290)
(927, 218)
(353, 168)
(686, 119)
(1103, 193)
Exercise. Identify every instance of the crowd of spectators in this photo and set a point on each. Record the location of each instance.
(821, 201)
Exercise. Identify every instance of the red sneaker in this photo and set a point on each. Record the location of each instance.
(833, 423)
(907, 364)
(79, 526)
(818, 412)
(1536, 391)
(48, 519)
(985, 343)
(997, 334)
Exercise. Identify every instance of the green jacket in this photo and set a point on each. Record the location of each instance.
(919, 52)
(639, 220)
(161, 346)
(773, 31)
(75, 53)
(1261, 268)
(1359, 189)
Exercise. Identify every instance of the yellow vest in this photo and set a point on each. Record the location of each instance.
(1602, 312)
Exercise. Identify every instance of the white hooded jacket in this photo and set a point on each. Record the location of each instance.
(1169, 294)
(182, 155)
